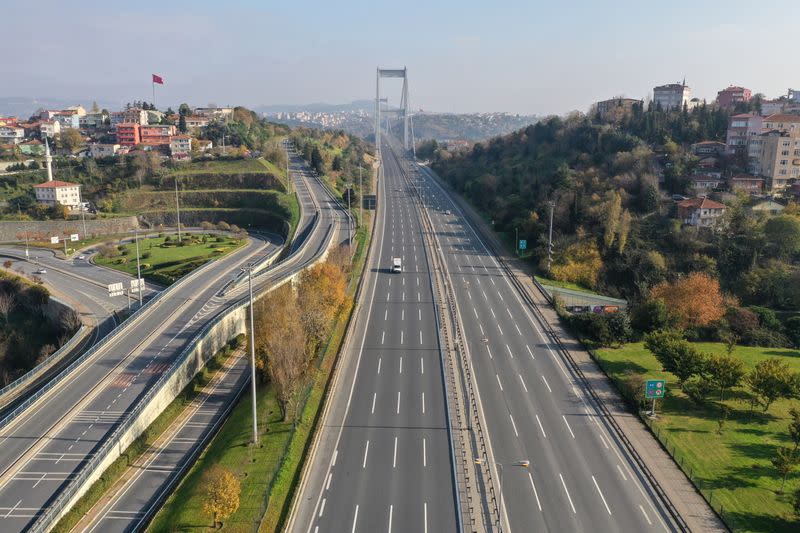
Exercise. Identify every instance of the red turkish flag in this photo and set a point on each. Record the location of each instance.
(158, 79)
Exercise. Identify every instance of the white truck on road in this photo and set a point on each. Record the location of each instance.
(397, 264)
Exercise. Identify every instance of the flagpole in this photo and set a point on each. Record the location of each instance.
(153, 83)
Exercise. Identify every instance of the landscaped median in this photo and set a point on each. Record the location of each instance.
(725, 447)
(268, 473)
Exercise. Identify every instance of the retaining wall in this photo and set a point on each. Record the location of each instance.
(42, 230)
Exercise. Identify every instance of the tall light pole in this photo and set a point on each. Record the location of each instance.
(138, 267)
(177, 209)
(249, 269)
(83, 211)
(552, 205)
(350, 218)
(360, 197)
(523, 464)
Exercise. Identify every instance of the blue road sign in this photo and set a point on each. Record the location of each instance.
(523, 244)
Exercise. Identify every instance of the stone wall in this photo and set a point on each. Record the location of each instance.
(42, 230)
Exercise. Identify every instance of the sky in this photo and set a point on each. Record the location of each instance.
(529, 57)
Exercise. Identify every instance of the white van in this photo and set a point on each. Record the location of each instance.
(397, 264)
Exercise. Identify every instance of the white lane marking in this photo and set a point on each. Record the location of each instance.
(645, 515)
(355, 519)
(40, 479)
(483, 334)
(518, 330)
(423, 403)
(385, 314)
(569, 428)
(394, 455)
(493, 315)
(419, 314)
(476, 313)
(328, 484)
(509, 313)
(601, 495)
(498, 381)
(545, 382)
(402, 333)
(390, 518)
(335, 455)
(374, 395)
(513, 424)
(425, 516)
(419, 297)
(523, 382)
(379, 365)
(421, 365)
(541, 426)
(490, 351)
(621, 473)
(383, 337)
(420, 336)
(401, 364)
(538, 503)
(501, 329)
(509, 351)
(387, 296)
(12, 509)
(529, 351)
(568, 496)
(398, 402)
(402, 314)
(424, 453)
(322, 508)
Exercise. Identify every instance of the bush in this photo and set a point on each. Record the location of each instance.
(766, 317)
(767, 338)
(602, 330)
(792, 328)
(146, 255)
(652, 315)
(223, 226)
(206, 225)
(741, 321)
(697, 389)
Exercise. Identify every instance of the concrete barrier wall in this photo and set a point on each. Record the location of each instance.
(41, 230)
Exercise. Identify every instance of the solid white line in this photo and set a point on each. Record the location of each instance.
(569, 428)
(322, 508)
(355, 519)
(366, 451)
(523, 382)
(394, 455)
(541, 426)
(398, 402)
(645, 515)
(538, 503)
(568, 496)
(12, 509)
(423, 403)
(545, 382)
(601, 494)
(424, 453)
(529, 351)
(425, 515)
(390, 518)
(513, 424)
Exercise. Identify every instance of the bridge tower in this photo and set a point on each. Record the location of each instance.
(404, 110)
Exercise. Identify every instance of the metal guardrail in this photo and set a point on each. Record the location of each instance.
(596, 400)
(45, 520)
(31, 374)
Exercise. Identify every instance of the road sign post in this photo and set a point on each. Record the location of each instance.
(523, 244)
(115, 289)
(655, 389)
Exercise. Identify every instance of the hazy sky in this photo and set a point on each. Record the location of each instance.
(488, 55)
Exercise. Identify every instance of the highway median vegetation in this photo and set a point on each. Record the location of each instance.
(298, 337)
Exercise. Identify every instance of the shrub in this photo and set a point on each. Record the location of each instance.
(223, 226)
(697, 389)
(145, 255)
(592, 327)
(766, 317)
(652, 315)
(767, 338)
(741, 321)
(792, 328)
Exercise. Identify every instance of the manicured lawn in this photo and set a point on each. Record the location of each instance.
(732, 469)
(562, 284)
(164, 261)
(235, 165)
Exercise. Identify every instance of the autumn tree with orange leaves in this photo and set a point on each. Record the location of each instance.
(696, 300)
(320, 294)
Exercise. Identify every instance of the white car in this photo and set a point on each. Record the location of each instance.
(81, 257)
(41, 271)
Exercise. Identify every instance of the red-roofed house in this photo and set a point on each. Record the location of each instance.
(58, 192)
(733, 95)
(700, 212)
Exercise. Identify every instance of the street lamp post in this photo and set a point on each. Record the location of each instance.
(552, 205)
(249, 269)
(523, 464)
(177, 209)
(138, 267)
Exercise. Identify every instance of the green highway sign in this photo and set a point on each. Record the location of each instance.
(655, 388)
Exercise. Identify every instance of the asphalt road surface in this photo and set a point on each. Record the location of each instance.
(388, 467)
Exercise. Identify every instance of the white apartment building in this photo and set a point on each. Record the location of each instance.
(672, 96)
(58, 192)
(11, 134)
(103, 150)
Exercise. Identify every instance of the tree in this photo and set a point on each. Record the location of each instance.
(792, 327)
(7, 301)
(316, 160)
(769, 380)
(725, 372)
(320, 293)
(783, 232)
(70, 139)
(281, 343)
(784, 462)
(796, 503)
(675, 354)
(182, 124)
(222, 491)
(696, 299)
(652, 315)
(184, 110)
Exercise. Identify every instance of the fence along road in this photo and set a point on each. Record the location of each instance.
(49, 444)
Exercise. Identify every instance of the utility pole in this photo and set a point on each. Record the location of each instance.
(83, 211)
(516, 241)
(361, 197)
(552, 205)
(249, 269)
(138, 267)
(350, 219)
(177, 209)
(27, 255)
(223, 145)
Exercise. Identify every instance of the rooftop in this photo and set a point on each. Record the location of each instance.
(701, 203)
(54, 184)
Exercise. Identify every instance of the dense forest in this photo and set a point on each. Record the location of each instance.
(614, 228)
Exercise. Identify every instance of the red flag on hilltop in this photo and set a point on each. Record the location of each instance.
(158, 79)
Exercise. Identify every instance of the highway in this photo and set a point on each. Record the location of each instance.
(46, 446)
(580, 478)
(385, 464)
(136, 500)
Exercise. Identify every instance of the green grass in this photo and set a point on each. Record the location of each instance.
(115, 471)
(165, 262)
(732, 469)
(235, 165)
(563, 284)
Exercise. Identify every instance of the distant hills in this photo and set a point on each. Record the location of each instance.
(24, 106)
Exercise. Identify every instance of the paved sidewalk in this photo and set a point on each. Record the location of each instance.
(687, 500)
